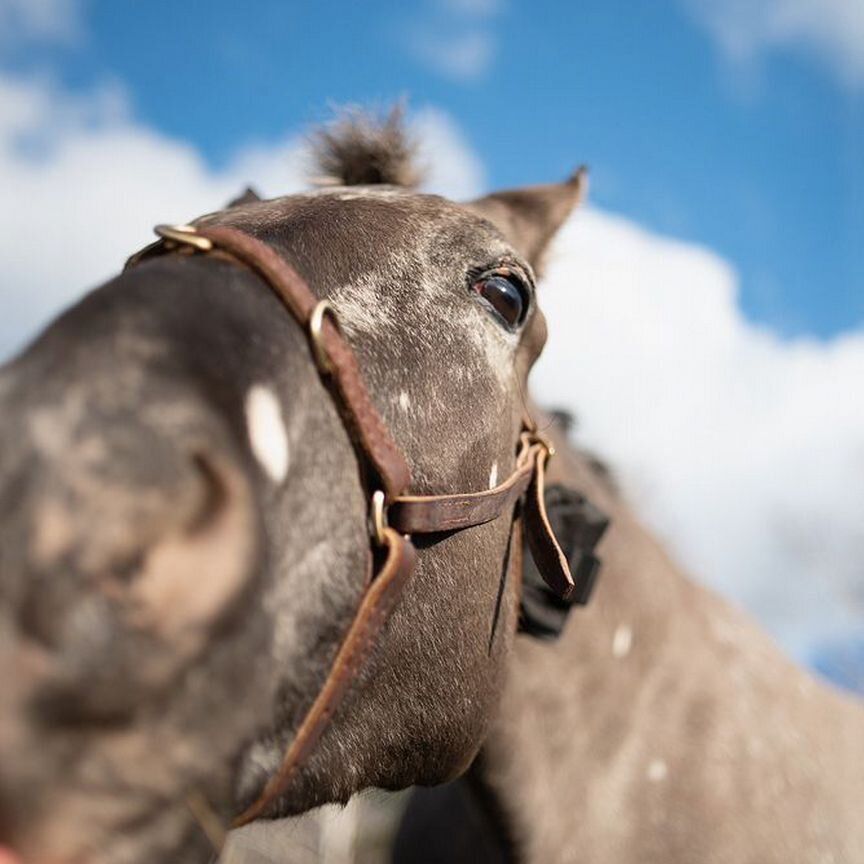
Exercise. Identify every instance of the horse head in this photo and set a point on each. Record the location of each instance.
(184, 535)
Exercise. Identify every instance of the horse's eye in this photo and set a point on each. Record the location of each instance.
(507, 297)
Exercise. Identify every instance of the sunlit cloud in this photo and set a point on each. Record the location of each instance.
(461, 56)
(54, 21)
(455, 38)
(833, 30)
(745, 450)
(474, 7)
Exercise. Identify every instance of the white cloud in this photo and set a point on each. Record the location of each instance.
(83, 184)
(745, 451)
(474, 7)
(450, 167)
(832, 29)
(90, 193)
(462, 56)
(456, 38)
(39, 20)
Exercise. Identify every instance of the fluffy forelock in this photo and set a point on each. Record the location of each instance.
(360, 149)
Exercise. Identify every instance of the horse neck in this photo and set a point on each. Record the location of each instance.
(665, 726)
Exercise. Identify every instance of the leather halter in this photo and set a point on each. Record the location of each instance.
(394, 515)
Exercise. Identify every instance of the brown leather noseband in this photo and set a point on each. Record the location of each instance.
(394, 515)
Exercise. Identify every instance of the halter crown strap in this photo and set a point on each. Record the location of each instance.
(395, 515)
(368, 432)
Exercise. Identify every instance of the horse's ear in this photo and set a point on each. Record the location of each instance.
(248, 196)
(529, 217)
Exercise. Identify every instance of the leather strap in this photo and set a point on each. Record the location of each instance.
(441, 513)
(416, 514)
(545, 548)
(378, 601)
(367, 429)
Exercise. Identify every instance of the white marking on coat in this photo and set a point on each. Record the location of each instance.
(622, 641)
(361, 310)
(267, 433)
(658, 771)
(404, 401)
(493, 475)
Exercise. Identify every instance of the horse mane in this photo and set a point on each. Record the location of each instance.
(361, 149)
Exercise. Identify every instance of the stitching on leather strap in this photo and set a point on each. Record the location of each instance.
(424, 514)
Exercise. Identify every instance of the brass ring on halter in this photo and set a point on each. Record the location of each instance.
(184, 235)
(316, 334)
(379, 518)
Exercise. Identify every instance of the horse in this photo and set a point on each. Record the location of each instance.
(203, 467)
(661, 727)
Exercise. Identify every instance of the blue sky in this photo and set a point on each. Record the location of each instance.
(751, 148)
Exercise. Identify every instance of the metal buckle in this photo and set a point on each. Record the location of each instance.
(379, 518)
(316, 334)
(529, 439)
(537, 437)
(184, 235)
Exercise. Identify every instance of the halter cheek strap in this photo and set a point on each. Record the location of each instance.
(394, 515)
